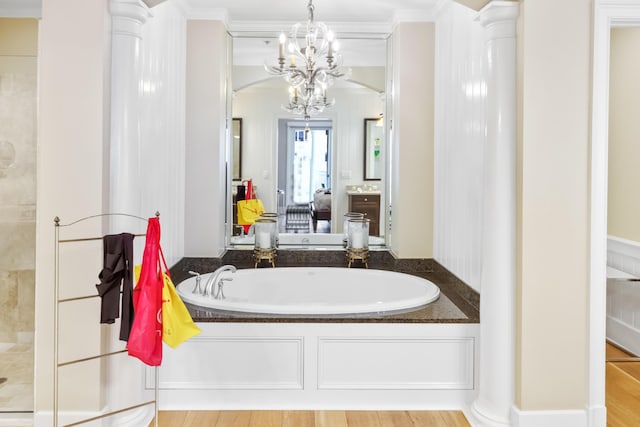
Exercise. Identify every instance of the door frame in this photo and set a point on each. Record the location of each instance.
(608, 14)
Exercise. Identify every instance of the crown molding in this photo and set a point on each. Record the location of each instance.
(341, 29)
(196, 12)
(409, 15)
(21, 8)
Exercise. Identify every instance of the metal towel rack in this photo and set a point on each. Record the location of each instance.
(58, 301)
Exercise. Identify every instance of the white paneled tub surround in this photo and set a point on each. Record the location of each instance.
(623, 295)
(623, 255)
(321, 366)
(623, 313)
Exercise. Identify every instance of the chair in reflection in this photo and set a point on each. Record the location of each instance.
(298, 217)
(321, 207)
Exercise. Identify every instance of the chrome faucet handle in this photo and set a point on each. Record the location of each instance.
(220, 291)
(196, 289)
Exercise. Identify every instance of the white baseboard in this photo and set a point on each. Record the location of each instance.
(133, 418)
(16, 420)
(623, 335)
(623, 255)
(597, 416)
(562, 418)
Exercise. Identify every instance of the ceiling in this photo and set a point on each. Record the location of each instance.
(354, 21)
(239, 11)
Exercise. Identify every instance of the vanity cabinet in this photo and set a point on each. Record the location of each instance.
(369, 205)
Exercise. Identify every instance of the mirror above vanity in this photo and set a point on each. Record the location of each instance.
(311, 172)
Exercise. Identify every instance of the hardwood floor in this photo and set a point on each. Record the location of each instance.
(311, 419)
(622, 388)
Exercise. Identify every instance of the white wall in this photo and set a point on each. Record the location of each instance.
(205, 201)
(555, 79)
(412, 148)
(459, 143)
(624, 134)
(72, 101)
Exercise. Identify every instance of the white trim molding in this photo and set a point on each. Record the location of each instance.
(134, 418)
(128, 17)
(16, 420)
(623, 255)
(576, 418)
(623, 335)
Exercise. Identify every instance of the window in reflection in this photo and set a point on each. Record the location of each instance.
(310, 163)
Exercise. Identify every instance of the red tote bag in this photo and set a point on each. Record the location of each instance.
(145, 339)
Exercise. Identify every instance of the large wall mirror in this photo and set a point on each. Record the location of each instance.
(312, 168)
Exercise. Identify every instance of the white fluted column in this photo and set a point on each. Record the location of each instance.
(125, 186)
(127, 19)
(498, 280)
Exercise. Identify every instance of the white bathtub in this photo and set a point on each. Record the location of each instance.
(315, 291)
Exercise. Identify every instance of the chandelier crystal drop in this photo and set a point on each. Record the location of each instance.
(310, 62)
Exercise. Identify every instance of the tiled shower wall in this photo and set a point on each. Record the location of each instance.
(17, 196)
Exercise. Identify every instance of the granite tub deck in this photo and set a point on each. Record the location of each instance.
(458, 303)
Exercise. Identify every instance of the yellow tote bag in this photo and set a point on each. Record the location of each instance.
(249, 210)
(177, 324)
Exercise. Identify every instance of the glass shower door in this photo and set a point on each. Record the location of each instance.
(18, 68)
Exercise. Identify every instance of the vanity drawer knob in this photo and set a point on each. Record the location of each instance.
(365, 199)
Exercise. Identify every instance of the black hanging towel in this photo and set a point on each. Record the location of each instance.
(117, 270)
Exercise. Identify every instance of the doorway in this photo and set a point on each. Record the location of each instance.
(304, 171)
(607, 16)
(308, 162)
(623, 229)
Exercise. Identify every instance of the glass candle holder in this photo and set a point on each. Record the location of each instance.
(272, 216)
(265, 233)
(348, 216)
(358, 234)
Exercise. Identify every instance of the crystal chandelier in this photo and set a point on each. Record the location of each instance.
(308, 79)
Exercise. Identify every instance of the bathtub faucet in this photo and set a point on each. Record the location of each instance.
(196, 289)
(213, 286)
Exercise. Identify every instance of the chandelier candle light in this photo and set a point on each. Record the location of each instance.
(308, 81)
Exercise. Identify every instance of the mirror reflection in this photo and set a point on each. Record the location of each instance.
(310, 172)
(236, 146)
(373, 154)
